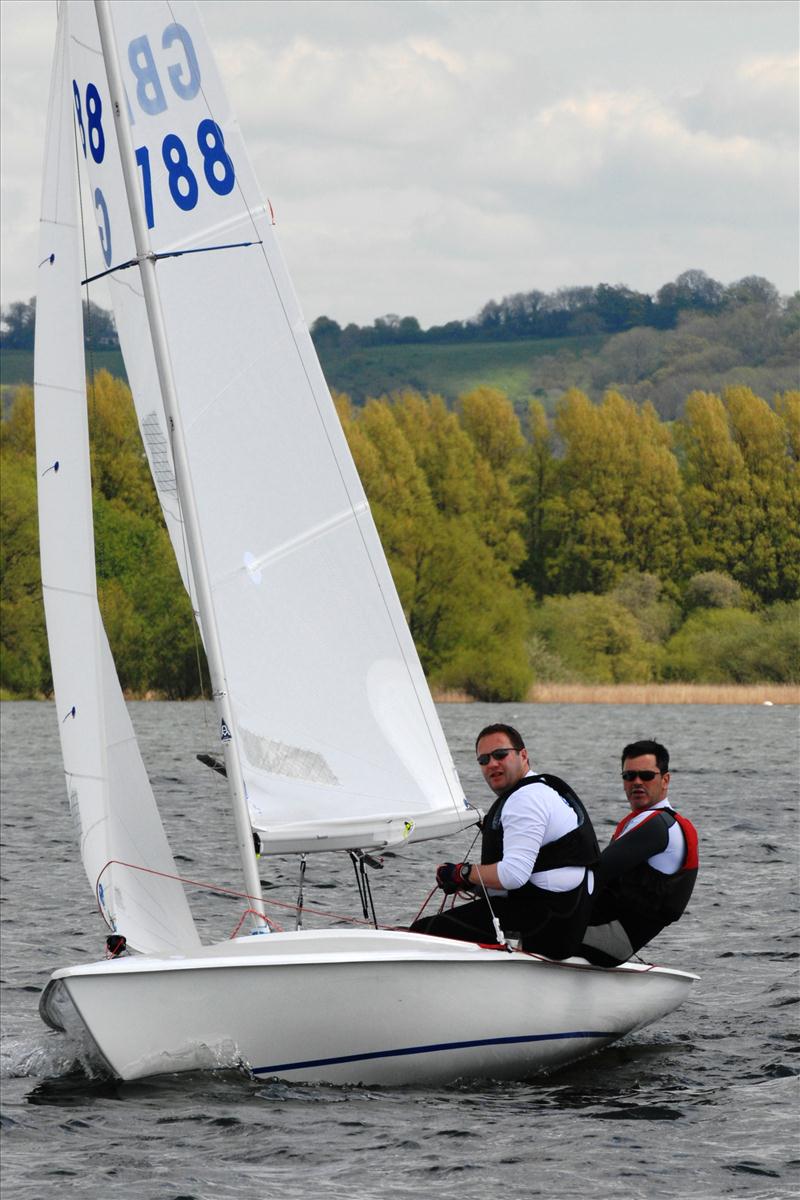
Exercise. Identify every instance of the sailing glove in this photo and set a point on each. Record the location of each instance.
(452, 877)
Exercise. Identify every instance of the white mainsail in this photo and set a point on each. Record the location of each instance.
(109, 792)
(339, 740)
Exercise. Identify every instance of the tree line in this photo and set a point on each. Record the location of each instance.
(567, 312)
(599, 544)
(19, 326)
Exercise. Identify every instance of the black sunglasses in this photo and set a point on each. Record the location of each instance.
(499, 755)
(629, 776)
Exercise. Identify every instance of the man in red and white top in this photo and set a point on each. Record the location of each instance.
(647, 872)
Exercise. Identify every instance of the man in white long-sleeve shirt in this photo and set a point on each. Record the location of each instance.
(536, 856)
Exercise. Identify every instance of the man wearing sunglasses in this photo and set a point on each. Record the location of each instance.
(647, 872)
(537, 851)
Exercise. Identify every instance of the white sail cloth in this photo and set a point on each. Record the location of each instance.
(339, 739)
(108, 788)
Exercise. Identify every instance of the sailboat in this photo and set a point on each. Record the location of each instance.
(328, 736)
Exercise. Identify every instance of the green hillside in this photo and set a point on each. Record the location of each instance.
(749, 341)
(521, 368)
(16, 366)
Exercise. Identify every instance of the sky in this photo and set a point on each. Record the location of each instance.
(425, 156)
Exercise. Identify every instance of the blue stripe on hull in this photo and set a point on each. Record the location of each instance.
(275, 1068)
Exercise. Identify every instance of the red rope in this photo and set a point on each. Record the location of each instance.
(316, 912)
(255, 913)
(297, 908)
(425, 904)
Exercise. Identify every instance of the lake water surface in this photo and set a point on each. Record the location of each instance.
(704, 1105)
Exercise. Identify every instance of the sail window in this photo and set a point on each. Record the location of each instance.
(156, 441)
(277, 758)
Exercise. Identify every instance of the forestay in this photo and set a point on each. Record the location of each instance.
(338, 736)
(109, 792)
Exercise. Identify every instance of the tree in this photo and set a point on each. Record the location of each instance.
(771, 559)
(753, 289)
(620, 308)
(493, 427)
(693, 290)
(536, 493)
(617, 504)
(718, 502)
(629, 357)
(119, 463)
(19, 321)
(743, 493)
(714, 589)
(466, 616)
(145, 609)
(326, 332)
(24, 668)
(99, 327)
(444, 451)
(643, 595)
(409, 330)
(787, 407)
(728, 645)
(596, 639)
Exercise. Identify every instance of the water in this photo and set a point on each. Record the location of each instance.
(704, 1104)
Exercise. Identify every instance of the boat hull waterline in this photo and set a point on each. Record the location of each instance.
(354, 1007)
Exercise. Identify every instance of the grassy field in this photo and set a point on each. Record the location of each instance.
(16, 366)
(521, 369)
(543, 368)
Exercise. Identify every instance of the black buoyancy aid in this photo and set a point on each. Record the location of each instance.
(578, 848)
(667, 895)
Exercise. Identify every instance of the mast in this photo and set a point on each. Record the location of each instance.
(155, 318)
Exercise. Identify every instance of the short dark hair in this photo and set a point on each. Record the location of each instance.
(637, 749)
(513, 735)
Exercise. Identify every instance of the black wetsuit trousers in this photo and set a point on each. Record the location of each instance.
(547, 923)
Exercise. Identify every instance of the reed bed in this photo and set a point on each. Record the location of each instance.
(647, 693)
(664, 693)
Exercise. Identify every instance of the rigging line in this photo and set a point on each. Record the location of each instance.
(134, 262)
(213, 887)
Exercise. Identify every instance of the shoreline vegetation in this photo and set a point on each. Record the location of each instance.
(538, 560)
(586, 497)
(586, 693)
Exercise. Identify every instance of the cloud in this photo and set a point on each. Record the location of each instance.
(757, 99)
(424, 157)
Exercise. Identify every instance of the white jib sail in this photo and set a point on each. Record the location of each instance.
(340, 741)
(109, 792)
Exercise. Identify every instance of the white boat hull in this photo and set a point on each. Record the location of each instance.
(355, 1006)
